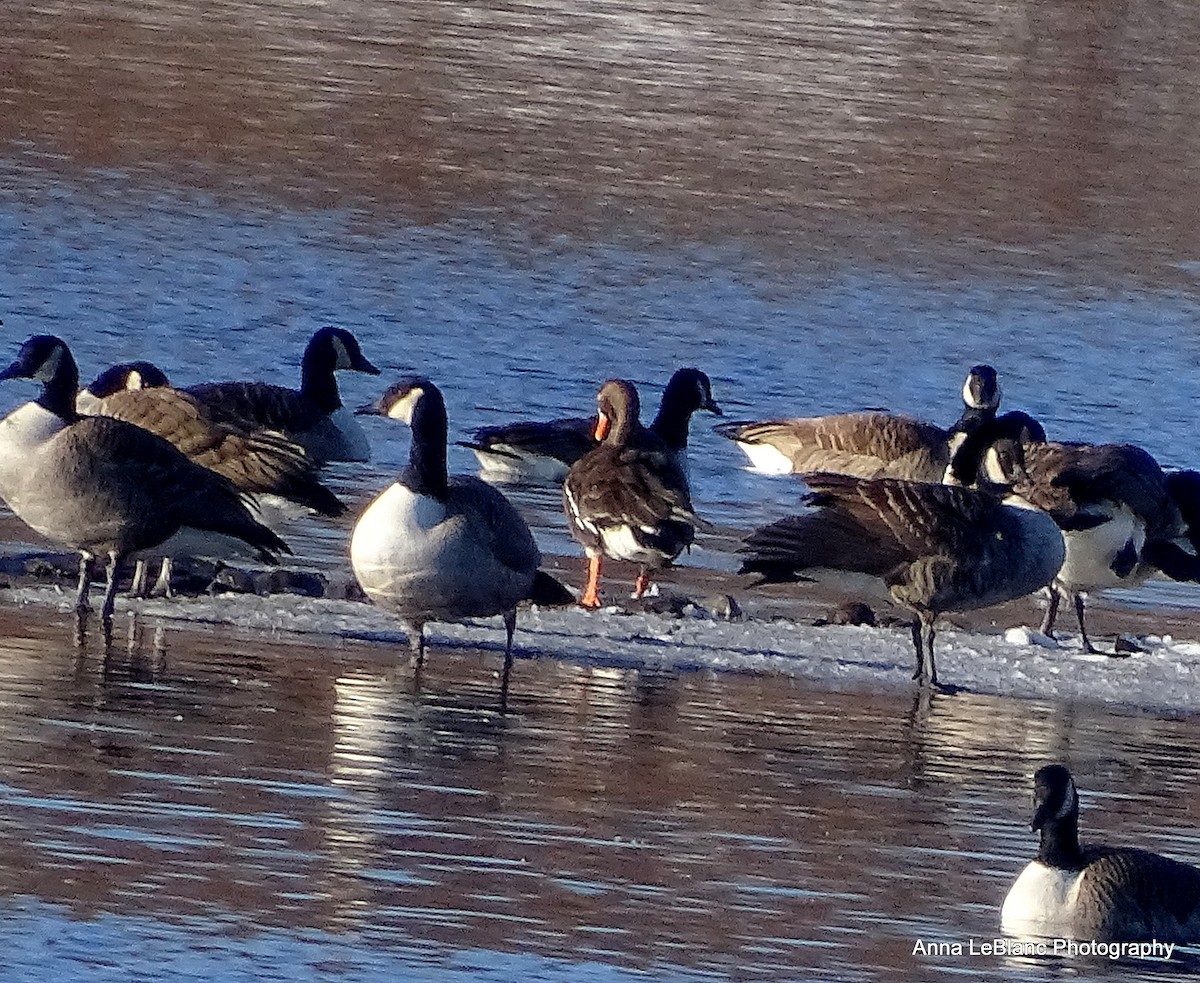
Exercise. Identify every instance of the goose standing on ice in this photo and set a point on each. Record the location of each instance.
(313, 415)
(628, 498)
(261, 463)
(867, 444)
(925, 547)
(1109, 894)
(1122, 517)
(104, 486)
(545, 450)
(440, 547)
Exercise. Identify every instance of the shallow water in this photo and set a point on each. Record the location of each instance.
(825, 207)
(213, 805)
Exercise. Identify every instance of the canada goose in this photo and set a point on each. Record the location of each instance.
(929, 548)
(127, 375)
(546, 450)
(260, 462)
(868, 444)
(104, 486)
(312, 416)
(1109, 894)
(439, 547)
(1119, 512)
(627, 498)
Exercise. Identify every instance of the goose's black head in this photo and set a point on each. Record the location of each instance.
(1002, 467)
(128, 375)
(48, 360)
(1014, 426)
(691, 390)
(981, 391)
(419, 403)
(1054, 796)
(403, 400)
(334, 349)
(328, 351)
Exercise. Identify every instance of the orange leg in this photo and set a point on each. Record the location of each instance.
(640, 585)
(591, 594)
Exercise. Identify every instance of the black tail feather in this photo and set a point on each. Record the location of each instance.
(548, 591)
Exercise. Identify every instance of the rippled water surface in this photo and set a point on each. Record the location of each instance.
(181, 809)
(825, 206)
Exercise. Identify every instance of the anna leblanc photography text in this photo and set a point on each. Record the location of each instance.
(1153, 950)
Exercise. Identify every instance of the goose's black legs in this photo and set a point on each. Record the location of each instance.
(110, 588)
(416, 641)
(922, 630)
(86, 561)
(510, 625)
(1051, 612)
(1087, 642)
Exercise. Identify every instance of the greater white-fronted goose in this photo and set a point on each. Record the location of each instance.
(545, 450)
(926, 547)
(1119, 512)
(1096, 892)
(867, 444)
(313, 415)
(439, 547)
(627, 498)
(104, 486)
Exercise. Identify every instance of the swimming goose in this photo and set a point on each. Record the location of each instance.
(627, 498)
(312, 416)
(867, 444)
(925, 547)
(531, 450)
(440, 547)
(126, 375)
(1109, 894)
(1118, 510)
(104, 486)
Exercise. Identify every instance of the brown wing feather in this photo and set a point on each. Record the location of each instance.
(1139, 895)
(1063, 478)
(170, 491)
(257, 462)
(495, 520)
(258, 405)
(863, 444)
(639, 486)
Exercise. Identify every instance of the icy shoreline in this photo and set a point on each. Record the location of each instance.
(1015, 663)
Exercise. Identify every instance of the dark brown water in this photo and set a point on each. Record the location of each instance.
(825, 206)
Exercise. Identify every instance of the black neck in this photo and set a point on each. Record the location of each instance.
(426, 473)
(317, 381)
(671, 423)
(972, 419)
(1059, 846)
(59, 391)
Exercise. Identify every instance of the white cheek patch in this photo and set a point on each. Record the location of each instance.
(992, 469)
(134, 380)
(341, 357)
(1068, 802)
(976, 402)
(49, 368)
(402, 409)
